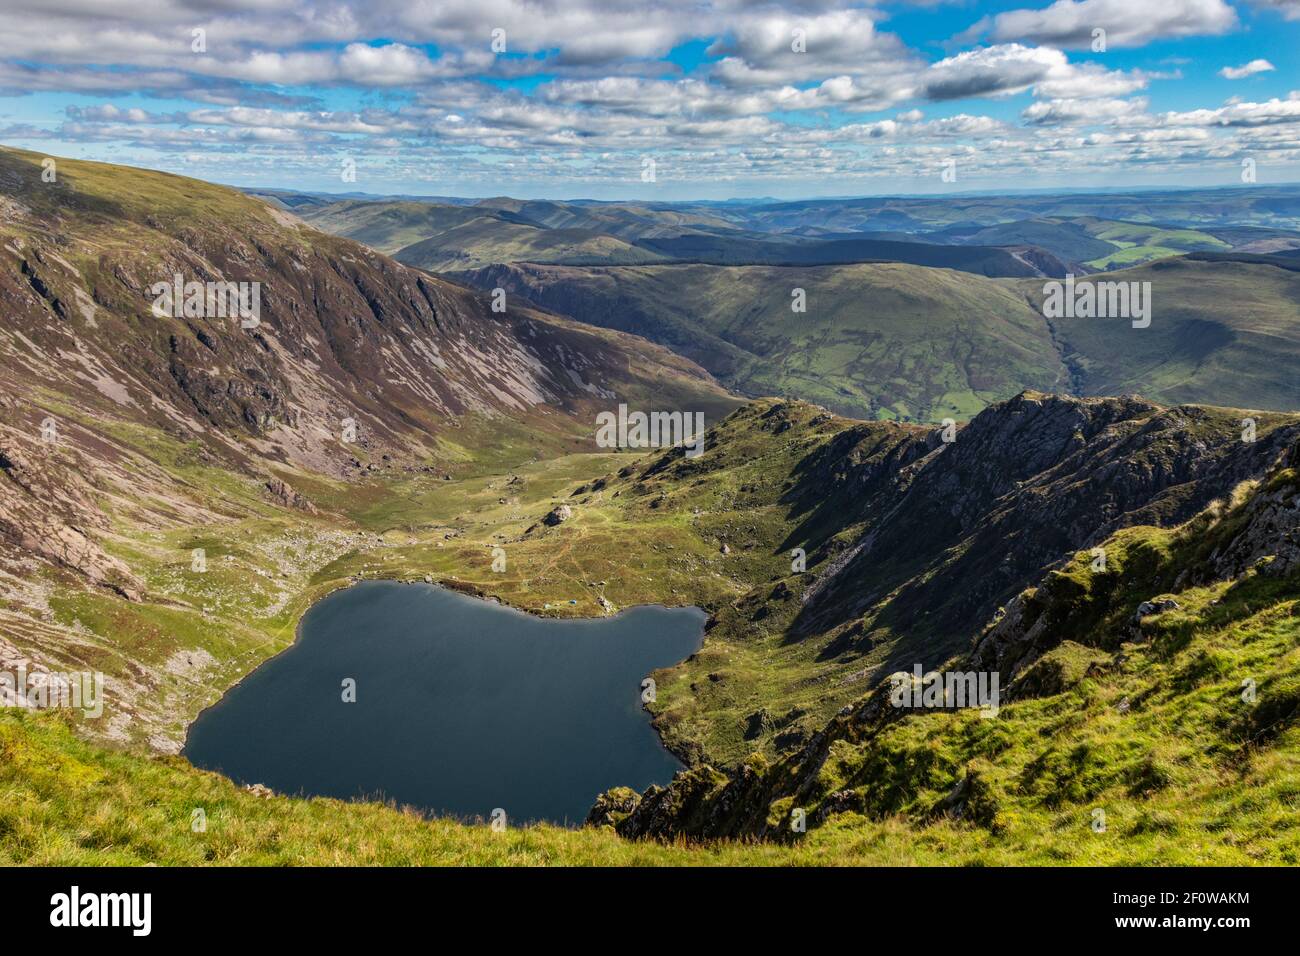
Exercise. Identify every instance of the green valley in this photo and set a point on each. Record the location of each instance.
(177, 490)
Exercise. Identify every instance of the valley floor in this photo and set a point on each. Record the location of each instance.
(1152, 731)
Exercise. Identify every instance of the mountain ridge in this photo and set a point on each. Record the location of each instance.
(201, 463)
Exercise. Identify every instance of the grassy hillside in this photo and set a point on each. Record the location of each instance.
(1066, 238)
(919, 344)
(884, 341)
(1119, 745)
(1164, 736)
(1223, 330)
(1137, 243)
(387, 226)
(892, 341)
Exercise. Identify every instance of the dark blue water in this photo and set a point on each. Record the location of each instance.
(462, 705)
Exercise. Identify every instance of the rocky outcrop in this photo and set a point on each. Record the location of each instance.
(1269, 532)
(284, 493)
(612, 807)
(1261, 533)
(557, 515)
(974, 521)
(684, 807)
(1258, 533)
(47, 509)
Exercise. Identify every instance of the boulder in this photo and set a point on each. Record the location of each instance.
(558, 515)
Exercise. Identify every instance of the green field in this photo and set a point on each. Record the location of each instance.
(1139, 243)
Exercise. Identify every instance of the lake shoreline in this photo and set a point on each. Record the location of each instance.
(464, 590)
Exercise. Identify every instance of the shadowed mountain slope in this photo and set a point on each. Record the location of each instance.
(1121, 671)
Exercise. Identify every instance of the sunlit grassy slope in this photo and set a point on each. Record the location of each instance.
(1222, 331)
(883, 341)
(1138, 243)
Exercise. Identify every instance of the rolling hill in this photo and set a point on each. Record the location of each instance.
(1232, 206)
(1006, 260)
(919, 344)
(1225, 329)
(444, 238)
(877, 340)
(452, 238)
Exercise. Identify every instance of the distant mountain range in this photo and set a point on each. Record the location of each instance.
(889, 332)
(1085, 231)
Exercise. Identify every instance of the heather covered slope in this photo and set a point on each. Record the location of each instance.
(422, 370)
(344, 332)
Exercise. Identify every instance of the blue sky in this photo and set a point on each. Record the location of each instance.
(662, 99)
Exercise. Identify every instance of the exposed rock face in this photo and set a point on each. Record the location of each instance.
(1270, 536)
(679, 807)
(1258, 533)
(1151, 608)
(558, 515)
(46, 508)
(283, 492)
(1264, 533)
(966, 526)
(612, 807)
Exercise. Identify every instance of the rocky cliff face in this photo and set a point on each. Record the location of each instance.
(1172, 498)
(48, 509)
(342, 360)
(1027, 481)
(342, 332)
